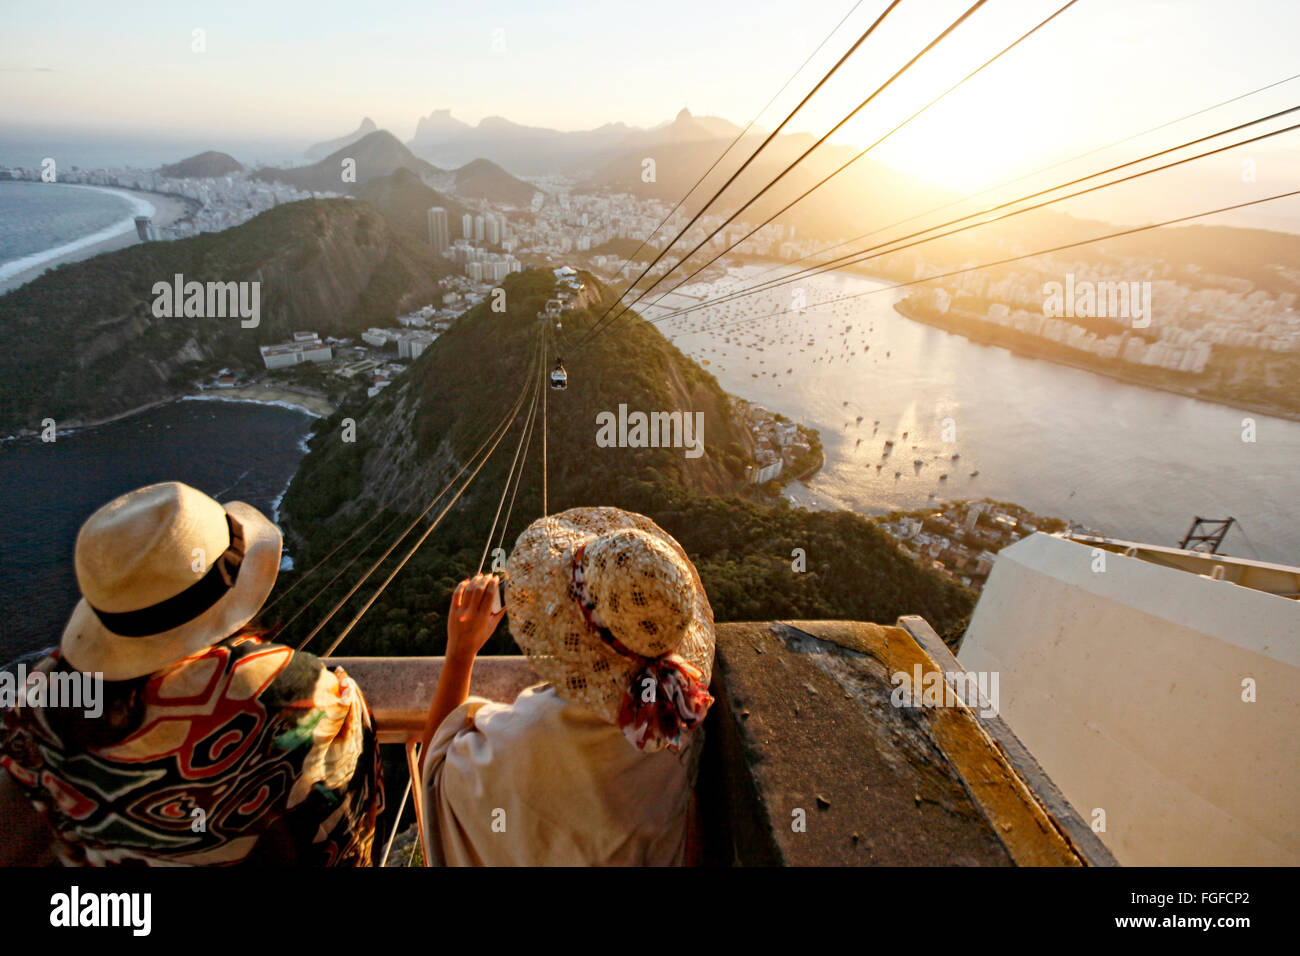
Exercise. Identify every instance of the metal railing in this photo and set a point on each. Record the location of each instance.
(1279, 579)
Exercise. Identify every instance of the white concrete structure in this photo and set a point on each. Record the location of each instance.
(439, 234)
(305, 347)
(1127, 678)
(412, 344)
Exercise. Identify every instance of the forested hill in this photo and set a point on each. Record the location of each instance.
(405, 200)
(202, 166)
(417, 433)
(82, 341)
(374, 155)
(484, 179)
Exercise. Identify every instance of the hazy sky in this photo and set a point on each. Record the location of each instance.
(310, 71)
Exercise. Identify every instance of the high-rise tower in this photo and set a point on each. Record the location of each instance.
(439, 235)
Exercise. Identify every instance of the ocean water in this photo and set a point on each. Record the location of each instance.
(40, 221)
(232, 451)
(1128, 461)
(38, 216)
(28, 146)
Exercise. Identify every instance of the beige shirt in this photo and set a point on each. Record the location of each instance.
(542, 782)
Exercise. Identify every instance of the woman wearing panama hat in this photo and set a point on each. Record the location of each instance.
(213, 746)
(595, 766)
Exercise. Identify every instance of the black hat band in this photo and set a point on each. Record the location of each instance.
(190, 603)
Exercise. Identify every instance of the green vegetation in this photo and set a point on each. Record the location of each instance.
(81, 342)
(383, 294)
(405, 201)
(420, 429)
(373, 156)
(203, 166)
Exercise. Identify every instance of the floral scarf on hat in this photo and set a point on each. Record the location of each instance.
(666, 697)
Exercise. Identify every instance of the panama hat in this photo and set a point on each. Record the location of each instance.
(166, 571)
(610, 610)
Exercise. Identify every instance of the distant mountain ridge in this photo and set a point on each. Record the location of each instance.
(684, 128)
(375, 155)
(611, 158)
(484, 179)
(321, 150)
(445, 141)
(487, 159)
(521, 150)
(438, 127)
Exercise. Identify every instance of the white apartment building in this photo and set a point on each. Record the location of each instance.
(412, 344)
(378, 337)
(303, 347)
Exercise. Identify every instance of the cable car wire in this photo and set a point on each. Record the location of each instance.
(739, 136)
(781, 175)
(1017, 258)
(502, 427)
(1029, 175)
(822, 182)
(768, 139)
(872, 253)
(515, 462)
(356, 619)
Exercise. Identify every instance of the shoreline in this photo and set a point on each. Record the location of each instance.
(1117, 375)
(162, 208)
(312, 404)
(1094, 494)
(1113, 374)
(309, 403)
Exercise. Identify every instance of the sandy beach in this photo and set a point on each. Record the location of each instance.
(313, 403)
(165, 210)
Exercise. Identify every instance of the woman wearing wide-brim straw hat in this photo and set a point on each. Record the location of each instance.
(595, 766)
(209, 744)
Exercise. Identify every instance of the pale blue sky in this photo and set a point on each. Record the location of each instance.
(309, 71)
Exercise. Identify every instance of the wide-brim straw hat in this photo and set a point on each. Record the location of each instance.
(645, 589)
(164, 572)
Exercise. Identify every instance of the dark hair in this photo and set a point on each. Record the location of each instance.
(123, 705)
(123, 709)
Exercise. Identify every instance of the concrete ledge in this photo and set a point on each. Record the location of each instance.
(1038, 785)
(400, 689)
(807, 760)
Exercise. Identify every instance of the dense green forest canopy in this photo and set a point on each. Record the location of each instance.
(744, 544)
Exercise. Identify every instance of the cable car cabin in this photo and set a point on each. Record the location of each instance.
(559, 377)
